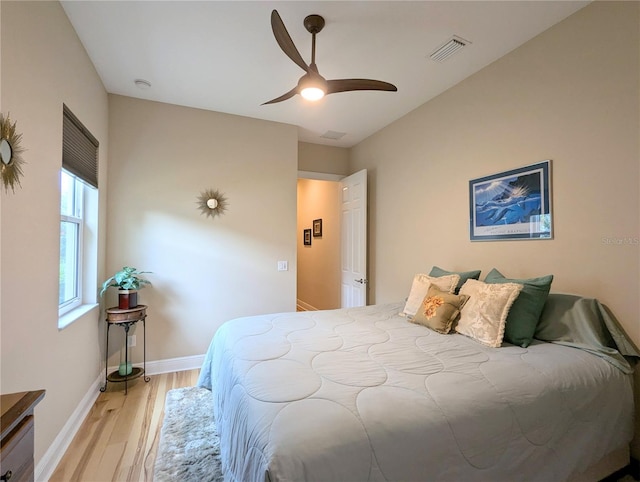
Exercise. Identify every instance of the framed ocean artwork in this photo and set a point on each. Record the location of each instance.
(513, 204)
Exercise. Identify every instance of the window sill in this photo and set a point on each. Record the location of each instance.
(75, 314)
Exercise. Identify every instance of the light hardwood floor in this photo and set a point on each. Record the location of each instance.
(118, 440)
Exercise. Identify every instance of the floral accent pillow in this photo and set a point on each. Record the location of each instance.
(484, 316)
(420, 286)
(439, 309)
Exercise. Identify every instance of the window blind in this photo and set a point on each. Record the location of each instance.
(79, 149)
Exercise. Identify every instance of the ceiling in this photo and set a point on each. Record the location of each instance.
(222, 56)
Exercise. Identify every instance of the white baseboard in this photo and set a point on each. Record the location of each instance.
(174, 364)
(50, 460)
(303, 306)
(168, 366)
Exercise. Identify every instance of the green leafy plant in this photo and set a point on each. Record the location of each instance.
(126, 279)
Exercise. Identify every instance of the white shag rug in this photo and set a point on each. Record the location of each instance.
(189, 447)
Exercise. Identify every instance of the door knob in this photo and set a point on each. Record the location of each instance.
(362, 281)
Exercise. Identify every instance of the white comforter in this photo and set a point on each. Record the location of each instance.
(364, 395)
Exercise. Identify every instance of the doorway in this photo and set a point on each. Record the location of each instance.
(332, 242)
(318, 259)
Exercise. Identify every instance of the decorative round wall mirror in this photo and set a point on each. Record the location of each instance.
(5, 152)
(212, 203)
(10, 154)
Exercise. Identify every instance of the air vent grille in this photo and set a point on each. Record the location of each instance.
(333, 135)
(454, 45)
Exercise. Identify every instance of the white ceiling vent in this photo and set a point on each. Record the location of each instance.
(452, 46)
(333, 135)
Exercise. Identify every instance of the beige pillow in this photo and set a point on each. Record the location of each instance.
(420, 286)
(439, 310)
(483, 317)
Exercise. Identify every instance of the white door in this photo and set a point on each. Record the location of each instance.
(354, 240)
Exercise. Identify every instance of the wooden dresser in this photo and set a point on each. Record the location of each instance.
(16, 423)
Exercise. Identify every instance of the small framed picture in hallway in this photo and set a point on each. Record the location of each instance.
(307, 237)
(317, 228)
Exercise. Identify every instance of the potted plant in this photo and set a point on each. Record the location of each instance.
(128, 282)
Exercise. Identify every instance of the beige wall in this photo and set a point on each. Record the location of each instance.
(324, 159)
(43, 66)
(205, 271)
(570, 95)
(318, 283)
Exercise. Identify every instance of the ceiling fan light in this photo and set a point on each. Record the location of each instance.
(312, 93)
(312, 86)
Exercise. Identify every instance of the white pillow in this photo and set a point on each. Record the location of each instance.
(420, 286)
(484, 315)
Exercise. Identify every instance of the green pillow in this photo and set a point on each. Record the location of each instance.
(526, 309)
(464, 275)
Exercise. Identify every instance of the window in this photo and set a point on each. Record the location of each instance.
(71, 240)
(78, 218)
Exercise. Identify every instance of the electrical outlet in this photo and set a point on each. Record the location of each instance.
(131, 340)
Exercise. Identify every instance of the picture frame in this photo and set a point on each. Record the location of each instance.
(307, 237)
(317, 228)
(512, 205)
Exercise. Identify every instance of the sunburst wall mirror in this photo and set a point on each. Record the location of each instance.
(10, 154)
(212, 203)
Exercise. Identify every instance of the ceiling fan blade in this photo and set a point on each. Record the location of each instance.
(286, 96)
(284, 41)
(347, 85)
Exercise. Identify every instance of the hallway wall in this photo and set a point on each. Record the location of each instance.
(318, 282)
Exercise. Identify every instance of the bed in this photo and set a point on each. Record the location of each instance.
(363, 395)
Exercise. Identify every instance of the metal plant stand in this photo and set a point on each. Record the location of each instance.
(126, 319)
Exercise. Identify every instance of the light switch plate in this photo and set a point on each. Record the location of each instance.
(283, 266)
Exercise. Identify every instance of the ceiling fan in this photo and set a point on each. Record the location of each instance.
(312, 85)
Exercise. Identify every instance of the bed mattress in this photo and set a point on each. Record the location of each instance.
(363, 395)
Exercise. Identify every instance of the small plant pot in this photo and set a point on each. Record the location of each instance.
(127, 299)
